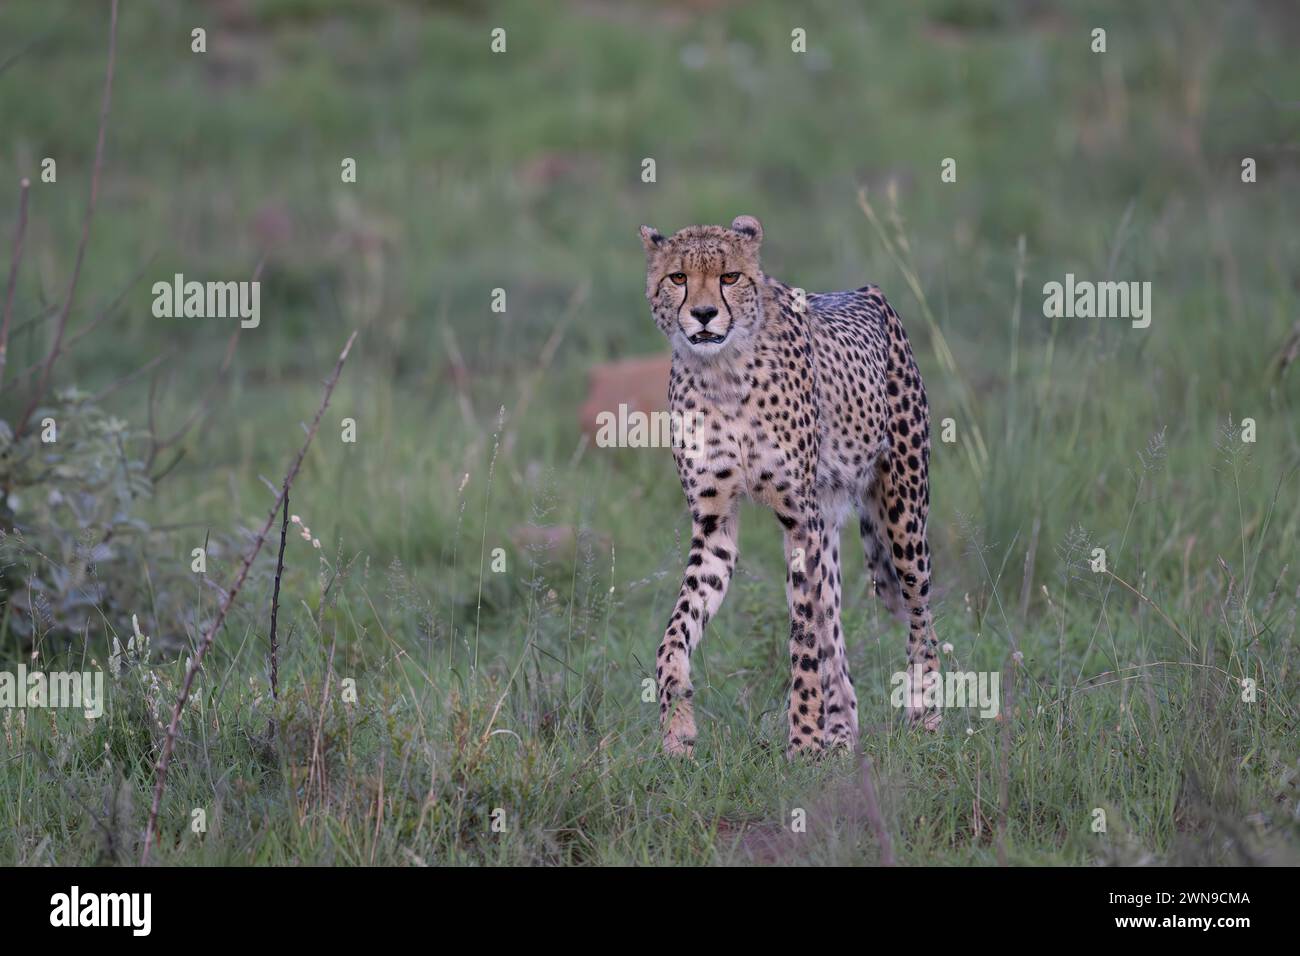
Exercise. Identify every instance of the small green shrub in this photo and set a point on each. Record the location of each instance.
(72, 541)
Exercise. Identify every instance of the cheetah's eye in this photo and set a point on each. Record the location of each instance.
(678, 278)
(730, 278)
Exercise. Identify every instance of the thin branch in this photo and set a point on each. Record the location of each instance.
(126, 379)
(158, 476)
(32, 322)
(169, 744)
(275, 596)
(31, 45)
(19, 231)
(103, 316)
(43, 383)
(203, 406)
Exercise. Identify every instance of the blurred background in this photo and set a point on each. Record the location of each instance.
(522, 171)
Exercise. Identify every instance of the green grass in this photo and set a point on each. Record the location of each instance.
(522, 690)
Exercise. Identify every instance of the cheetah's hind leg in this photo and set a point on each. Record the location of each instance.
(908, 603)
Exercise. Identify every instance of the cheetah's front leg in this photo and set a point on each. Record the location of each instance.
(709, 565)
(837, 686)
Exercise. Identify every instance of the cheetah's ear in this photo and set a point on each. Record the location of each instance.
(748, 226)
(651, 238)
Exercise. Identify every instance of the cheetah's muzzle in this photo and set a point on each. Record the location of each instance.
(707, 338)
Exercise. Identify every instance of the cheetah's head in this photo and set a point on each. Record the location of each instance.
(704, 284)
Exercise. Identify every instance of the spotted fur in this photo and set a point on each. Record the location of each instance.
(812, 405)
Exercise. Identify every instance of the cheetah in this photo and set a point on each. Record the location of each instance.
(813, 406)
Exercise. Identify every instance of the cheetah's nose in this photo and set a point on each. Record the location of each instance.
(704, 312)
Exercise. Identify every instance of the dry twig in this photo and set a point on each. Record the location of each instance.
(19, 231)
(169, 744)
(43, 383)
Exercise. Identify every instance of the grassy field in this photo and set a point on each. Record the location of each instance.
(435, 709)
